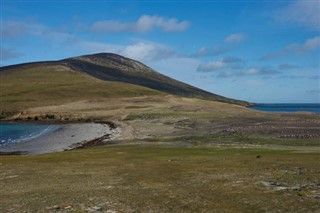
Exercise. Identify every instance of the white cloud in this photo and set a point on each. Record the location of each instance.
(95, 47)
(9, 53)
(12, 28)
(144, 24)
(258, 71)
(226, 62)
(310, 44)
(294, 76)
(230, 59)
(147, 51)
(211, 66)
(226, 74)
(214, 51)
(232, 43)
(144, 51)
(180, 68)
(264, 71)
(183, 68)
(110, 26)
(303, 12)
(252, 71)
(237, 37)
(295, 49)
(288, 66)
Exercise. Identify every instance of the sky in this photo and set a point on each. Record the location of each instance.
(262, 51)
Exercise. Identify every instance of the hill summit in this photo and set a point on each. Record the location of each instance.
(113, 67)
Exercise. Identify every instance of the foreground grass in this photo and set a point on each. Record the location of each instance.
(232, 140)
(162, 179)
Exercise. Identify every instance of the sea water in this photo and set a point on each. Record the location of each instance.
(315, 108)
(14, 133)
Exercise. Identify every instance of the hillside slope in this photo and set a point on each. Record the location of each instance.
(106, 67)
(114, 67)
(49, 84)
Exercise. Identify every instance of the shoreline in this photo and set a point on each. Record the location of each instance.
(300, 108)
(66, 137)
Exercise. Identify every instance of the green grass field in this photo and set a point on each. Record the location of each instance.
(162, 179)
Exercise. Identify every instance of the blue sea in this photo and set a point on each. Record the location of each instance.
(315, 108)
(13, 133)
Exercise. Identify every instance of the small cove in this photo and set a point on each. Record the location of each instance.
(15, 133)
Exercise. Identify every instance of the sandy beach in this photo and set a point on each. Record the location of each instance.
(67, 136)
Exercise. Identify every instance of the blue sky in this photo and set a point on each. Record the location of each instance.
(258, 51)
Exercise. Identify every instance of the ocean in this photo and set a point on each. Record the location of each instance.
(315, 108)
(13, 133)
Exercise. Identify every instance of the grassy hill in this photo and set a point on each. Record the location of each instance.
(88, 77)
(44, 84)
(114, 67)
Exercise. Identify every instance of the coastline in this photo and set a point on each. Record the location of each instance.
(313, 108)
(66, 137)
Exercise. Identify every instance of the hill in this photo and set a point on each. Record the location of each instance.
(102, 75)
(114, 67)
(43, 84)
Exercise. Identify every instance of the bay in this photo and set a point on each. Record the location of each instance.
(14, 133)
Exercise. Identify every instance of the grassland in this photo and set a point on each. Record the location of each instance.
(162, 179)
(42, 85)
(174, 154)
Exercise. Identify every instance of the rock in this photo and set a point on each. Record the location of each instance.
(97, 208)
(317, 196)
(280, 186)
(295, 188)
(94, 209)
(56, 207)
(68, 207)
(111, 211)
